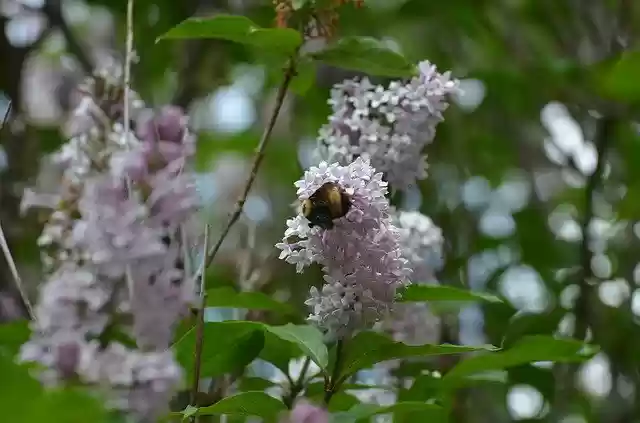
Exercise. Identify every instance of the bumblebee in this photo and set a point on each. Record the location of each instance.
(328, 203)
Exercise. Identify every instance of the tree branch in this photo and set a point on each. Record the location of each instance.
(298, 385)
(289, 73)
(602, 141)
(333, 383)
(4, 245)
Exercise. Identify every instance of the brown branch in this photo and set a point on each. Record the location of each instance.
(198, 351)
(289, 73)
(5, 245)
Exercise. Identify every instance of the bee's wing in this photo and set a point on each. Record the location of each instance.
(296, 205)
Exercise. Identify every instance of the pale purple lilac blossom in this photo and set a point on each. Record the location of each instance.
(118, 260)
(360, 256)
(421, 242)
(95, 134)
(306, 412)
(390, 126)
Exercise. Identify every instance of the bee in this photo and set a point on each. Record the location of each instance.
(328, 203)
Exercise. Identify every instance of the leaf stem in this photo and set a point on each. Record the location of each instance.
(202, 297)
(298, 385)
(16, 276)
(198, 352)
(6, 251)
(334, 383)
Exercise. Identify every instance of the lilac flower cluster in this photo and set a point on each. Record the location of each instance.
(95, 134)
(360, 256)
(421, 242)
(117, 269)
(388, 126)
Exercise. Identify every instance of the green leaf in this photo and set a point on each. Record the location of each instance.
(239, 29)
(278, 351)
(248, 383)
(366, 54)
(305, 76)
(523, 323)
(369, 348)
(340, 401)
(620, 81)
(231, 345)
(13, 335)
(529, 349)
(252, 403)
(227, 347)
(429, 412)
(228, 297)
(19, 392)
(23, 399)
(189, 412)
(69, 406)
(543, 379)
(424, 387)
(49, 139)
(416, 292)
(308, 338)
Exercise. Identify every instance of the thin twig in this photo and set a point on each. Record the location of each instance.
(5, 245)
(127, 66)
(334, 383)
(126, 111)
(16, 276)
(186, 256)
(566, 374)
(289, 73)
(298, 385)
(200, 326)
(603, 139)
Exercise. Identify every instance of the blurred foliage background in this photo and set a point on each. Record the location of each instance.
(533, 174)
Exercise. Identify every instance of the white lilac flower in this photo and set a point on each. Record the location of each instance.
(390, 125)
(360, 256)
(413, 324)
(95, 135)
(159, 299)
(96, 126)
(117, 260)
(422, 243)
(167, 132)
(114, 228)
(142, 382)
(73, 299)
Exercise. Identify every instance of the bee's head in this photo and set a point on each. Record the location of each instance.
(307, 208)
